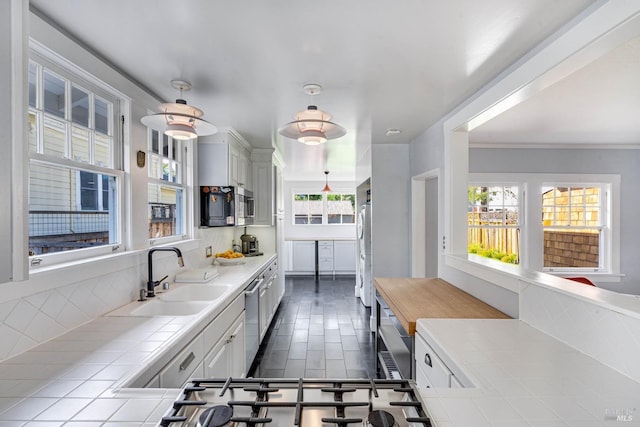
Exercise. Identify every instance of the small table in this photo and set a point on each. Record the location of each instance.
(409, 299)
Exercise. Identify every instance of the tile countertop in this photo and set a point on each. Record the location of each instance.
(79, 379)
(523, 377)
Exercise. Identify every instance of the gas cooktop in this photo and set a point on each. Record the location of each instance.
(297, 402)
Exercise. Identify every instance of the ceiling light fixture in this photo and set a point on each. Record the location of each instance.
(326, 188)
(312, 126)
(179, 120)
(392, 132)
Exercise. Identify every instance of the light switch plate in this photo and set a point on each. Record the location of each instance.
(208, 252)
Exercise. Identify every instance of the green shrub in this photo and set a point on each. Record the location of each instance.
(493, 253)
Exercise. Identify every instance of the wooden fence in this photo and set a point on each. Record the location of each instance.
(506, 240)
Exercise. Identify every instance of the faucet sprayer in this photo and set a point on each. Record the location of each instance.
(151, 284)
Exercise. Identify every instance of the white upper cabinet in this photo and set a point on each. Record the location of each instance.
(267, 182)
(224, 159)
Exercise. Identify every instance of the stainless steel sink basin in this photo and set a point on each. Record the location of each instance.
(169, 308)
(195, 293)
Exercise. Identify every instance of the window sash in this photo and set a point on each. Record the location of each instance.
(569, 211)
(318, 209)
(72, 123)
(166, 221)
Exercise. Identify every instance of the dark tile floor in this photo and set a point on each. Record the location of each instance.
(321, 330)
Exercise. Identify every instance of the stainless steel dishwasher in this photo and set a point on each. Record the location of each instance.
(252, 319)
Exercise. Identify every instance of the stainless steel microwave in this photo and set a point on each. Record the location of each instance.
(225, 206)
(245, 207)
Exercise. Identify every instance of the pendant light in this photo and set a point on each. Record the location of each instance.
(179, 120)
(312, 126)
(326, 188)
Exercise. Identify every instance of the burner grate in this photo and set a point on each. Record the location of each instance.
(300, 402)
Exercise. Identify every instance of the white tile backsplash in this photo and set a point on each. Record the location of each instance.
(594, 329)
(49, 309)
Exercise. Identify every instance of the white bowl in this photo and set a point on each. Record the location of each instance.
(230, 261)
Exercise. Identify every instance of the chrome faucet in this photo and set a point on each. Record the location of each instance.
(151, 285)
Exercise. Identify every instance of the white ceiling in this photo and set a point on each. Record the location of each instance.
(382, 64)
(595, 106)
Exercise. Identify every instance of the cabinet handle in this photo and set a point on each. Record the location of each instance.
(187, 361)
(427, 360)
(231, 338)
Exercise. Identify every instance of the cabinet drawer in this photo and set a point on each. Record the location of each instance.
(325, 252)
(184, 365)
(325, 265)
(213, 332)
(436, 372)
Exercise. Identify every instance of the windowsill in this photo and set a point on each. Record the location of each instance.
(185, 244)
(596, 276)
(62, 274)
(496, 272)
(512, 278)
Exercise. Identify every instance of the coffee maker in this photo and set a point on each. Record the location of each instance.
(250, 246)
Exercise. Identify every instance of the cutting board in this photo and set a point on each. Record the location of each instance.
(411, 299)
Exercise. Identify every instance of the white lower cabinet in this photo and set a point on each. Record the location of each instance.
(431, 371)
(226, 358)
(334, 257)
(304, 256)
(263, 310)
(325, 257)
(455, 383)
(218, 350)
(154, 382)
(344, 256)
(187, 364)
(270, 296)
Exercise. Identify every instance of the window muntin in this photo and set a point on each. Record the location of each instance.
(70, 209)
(307, 208)
(493, 218)
(323, 208)
(73, 187)
(341, 208)
(574, 226)
(166, 188)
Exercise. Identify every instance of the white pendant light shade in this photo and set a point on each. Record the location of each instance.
(312, 127)
(179, 120)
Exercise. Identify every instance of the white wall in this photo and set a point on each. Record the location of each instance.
(426, 153)
(390, 210)
(596, 161)
(13, 122)
(55, 300)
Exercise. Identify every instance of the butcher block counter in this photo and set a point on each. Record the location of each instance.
(400, 302)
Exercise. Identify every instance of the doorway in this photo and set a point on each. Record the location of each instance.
(425, 197)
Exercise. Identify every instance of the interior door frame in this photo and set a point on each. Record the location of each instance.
(418, 220)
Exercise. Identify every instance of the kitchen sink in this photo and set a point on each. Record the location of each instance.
(169, 308)
(195, 293)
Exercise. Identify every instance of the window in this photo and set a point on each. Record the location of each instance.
(341, 208)
(166, 189)
(73, 179)
(307, 208)
(494, 222)
(319, 208)
(574, 226)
